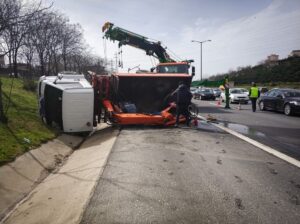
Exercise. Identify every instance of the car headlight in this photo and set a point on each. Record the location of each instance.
(295, 102)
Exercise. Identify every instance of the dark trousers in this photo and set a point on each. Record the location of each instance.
(183, 109)
(253, 101)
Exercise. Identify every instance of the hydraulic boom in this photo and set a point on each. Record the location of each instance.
(126, 37)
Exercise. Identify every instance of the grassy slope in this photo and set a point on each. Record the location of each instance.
(23, 122)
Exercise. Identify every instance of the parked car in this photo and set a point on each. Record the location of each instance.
(244, 90)
(217, 92)
(283, 100)
(236, 96)
(193, 90)
(263, 90)
(204, 94)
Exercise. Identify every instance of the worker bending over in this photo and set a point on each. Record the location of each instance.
(183, 100)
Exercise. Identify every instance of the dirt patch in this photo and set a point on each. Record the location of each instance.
(202, 158)
(239, 204)
(238, 179)
(273, 171)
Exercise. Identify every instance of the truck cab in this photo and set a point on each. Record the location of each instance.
(175, 67)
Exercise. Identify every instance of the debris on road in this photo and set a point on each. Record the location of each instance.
(210, 118)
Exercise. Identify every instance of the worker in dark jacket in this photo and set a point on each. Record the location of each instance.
(183, 100)
(253, 95)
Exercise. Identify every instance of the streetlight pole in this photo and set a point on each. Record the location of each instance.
(200, 42)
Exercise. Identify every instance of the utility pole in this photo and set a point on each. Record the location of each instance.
(200, 42)
(116, 58)
(112, 65)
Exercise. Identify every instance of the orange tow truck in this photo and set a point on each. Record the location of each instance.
(141, 98)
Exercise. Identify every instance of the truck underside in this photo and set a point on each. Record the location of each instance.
(140, 98)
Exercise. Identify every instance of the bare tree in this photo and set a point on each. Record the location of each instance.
(36, 32)
(6, 14)
(41, 31)
(71, 41)
(17, 28)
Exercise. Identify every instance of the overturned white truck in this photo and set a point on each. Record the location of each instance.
(67, 100)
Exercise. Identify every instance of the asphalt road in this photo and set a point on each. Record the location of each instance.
(192, 176)
(274, 129)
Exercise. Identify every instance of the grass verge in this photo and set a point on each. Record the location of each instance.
(24, 129)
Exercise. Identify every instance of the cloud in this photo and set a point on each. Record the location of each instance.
(242, 33)
(244, 41)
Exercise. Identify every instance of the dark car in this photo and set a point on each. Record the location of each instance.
(217, 92)
(263, 90)
(204, 94)
(283, 100)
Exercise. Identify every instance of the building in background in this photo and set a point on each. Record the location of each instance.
(295, 53)
(272, 59)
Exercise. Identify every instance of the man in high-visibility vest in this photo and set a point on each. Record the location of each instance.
(254, 94)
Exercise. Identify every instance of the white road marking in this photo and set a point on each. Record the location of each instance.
(263, 147)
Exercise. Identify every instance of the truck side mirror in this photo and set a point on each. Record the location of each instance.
(193, 70)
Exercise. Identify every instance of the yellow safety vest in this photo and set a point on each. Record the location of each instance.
(254, 92)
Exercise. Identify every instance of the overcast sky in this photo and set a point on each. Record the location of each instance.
(243, 32)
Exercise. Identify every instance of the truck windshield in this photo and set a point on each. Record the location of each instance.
(173, 69)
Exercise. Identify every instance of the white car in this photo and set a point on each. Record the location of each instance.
(236, 95)
(244, 91)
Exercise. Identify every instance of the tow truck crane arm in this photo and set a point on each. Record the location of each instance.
(141, 98)
(126, 37)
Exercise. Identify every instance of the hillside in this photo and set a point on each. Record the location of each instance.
(24, 129)
(287, 70)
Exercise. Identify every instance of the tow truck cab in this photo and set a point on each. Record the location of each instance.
(175, 67)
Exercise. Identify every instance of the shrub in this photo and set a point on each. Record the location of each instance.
(29, 84)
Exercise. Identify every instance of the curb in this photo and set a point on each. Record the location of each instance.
(104, 130)
(101, 172)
